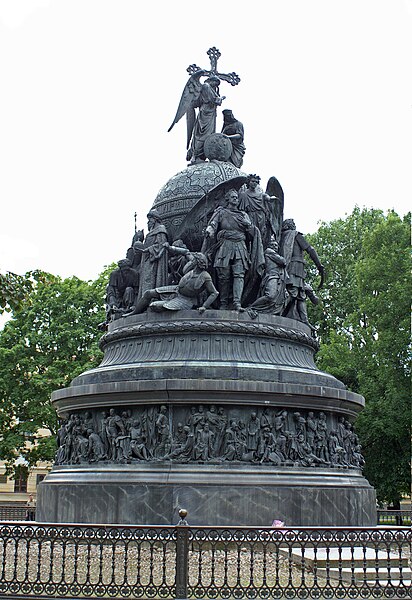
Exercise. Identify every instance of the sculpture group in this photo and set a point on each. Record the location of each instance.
(206, 433)
(245, 262)
(249, 259)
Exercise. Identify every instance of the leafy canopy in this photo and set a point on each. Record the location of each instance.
(50, 340)
(365, 334)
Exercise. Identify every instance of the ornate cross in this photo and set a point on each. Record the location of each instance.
(214, 55)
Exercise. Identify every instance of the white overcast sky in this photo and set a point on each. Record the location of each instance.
(90, 87)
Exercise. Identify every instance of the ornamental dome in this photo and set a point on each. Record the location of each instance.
(180, 194)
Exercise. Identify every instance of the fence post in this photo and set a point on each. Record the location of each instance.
(182, 552)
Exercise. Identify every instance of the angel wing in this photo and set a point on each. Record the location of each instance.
(187, 103)
(274, 188)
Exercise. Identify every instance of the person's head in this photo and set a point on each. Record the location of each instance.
(273, 244)
(288, 224)
(252, 181)
(232, 198)
(199, 260)
(213, 81)
(124, 263)
(228, 116)
(153, 217)
(179, 244)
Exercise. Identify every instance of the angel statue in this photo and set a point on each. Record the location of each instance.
(206, 98)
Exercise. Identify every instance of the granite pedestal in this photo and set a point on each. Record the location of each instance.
(162, 371)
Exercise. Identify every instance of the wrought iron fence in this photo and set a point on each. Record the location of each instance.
(97, 561)
(13, 512)
(394, 517)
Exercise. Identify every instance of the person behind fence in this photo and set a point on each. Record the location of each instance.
(31, 508)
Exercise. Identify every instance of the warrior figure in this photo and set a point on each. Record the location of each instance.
(231, 257)
(292, 247)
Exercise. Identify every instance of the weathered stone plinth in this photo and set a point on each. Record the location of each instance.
(202, 368)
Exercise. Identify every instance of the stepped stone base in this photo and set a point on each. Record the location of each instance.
(176, 365)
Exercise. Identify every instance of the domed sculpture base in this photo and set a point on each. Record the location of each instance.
(222, 415)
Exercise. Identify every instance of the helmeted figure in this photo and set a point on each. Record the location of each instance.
(292, 248)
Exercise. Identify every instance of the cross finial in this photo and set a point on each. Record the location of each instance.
(214, 55)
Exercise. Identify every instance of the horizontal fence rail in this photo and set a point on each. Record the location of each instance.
(115, 561)
(14, 512)
(394, 517)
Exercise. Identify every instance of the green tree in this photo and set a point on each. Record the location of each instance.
(49, 341)
(364, 332)
(15, 289)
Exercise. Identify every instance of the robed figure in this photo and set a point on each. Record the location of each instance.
(205, 98)
(153, 266)
(272, 294)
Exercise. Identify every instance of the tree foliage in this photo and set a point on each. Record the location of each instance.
(15, 289)
(49, 341)
(364, 331)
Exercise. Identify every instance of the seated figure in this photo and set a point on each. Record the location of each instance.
(121, 290)
(184, 295)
